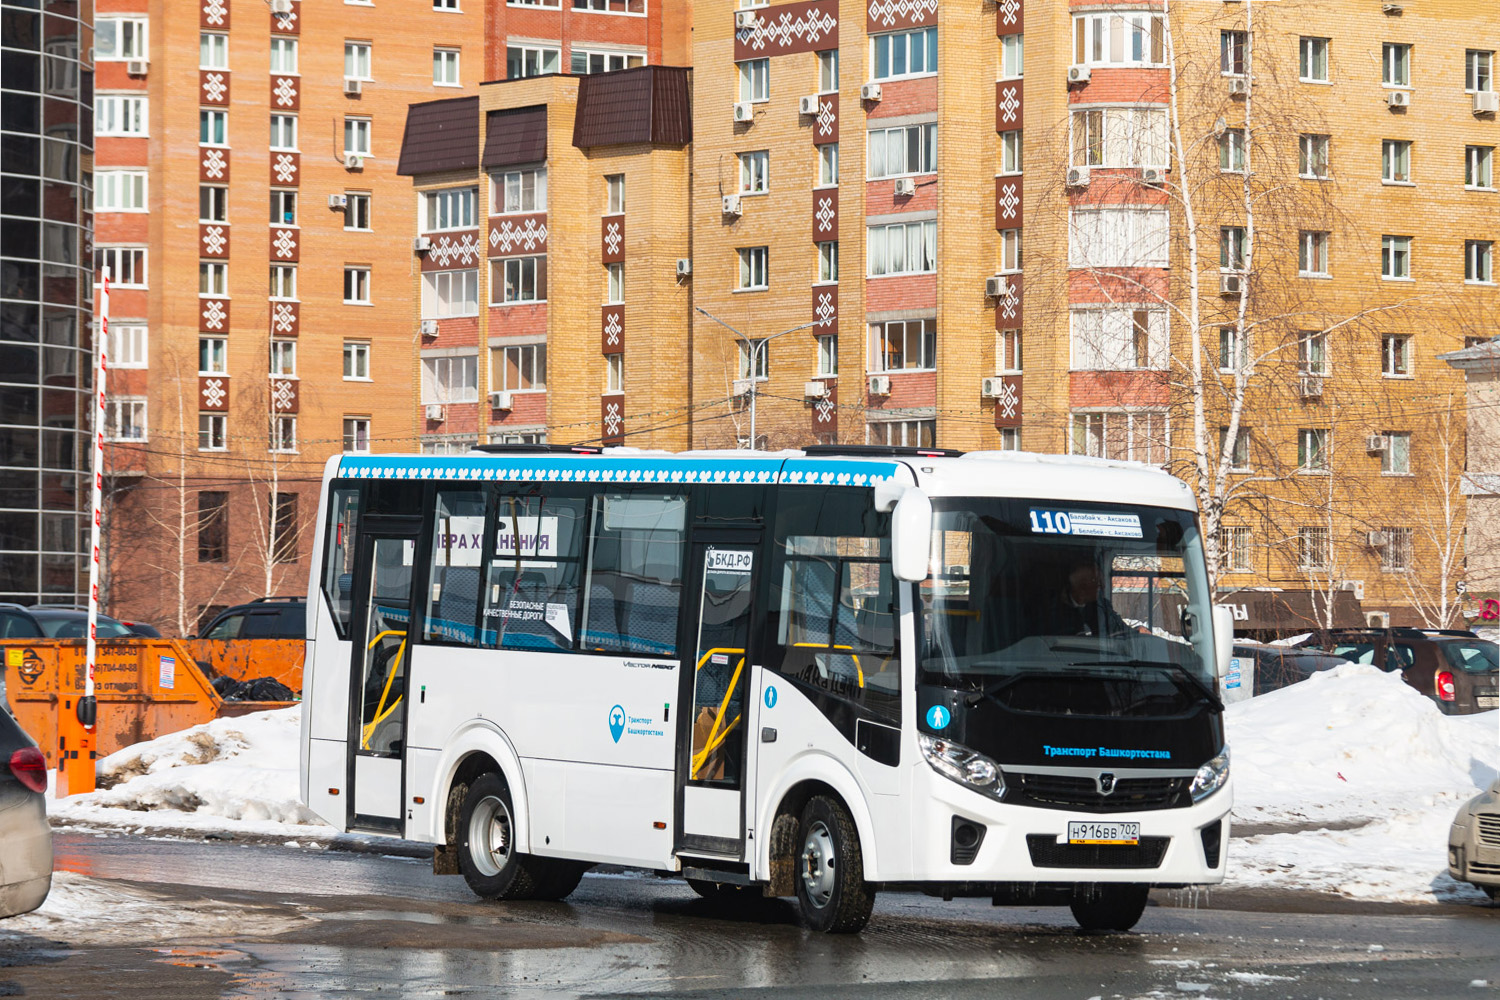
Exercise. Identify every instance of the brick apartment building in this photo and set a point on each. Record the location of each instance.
(982, 226)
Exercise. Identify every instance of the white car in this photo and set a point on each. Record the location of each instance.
(1474, 841)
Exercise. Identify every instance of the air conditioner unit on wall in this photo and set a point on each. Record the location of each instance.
(1230, 284)
(991, 387)
(501, 400)
(1399, 98)
(906, 187)
(997, 286)
(744, 111)
(421, 244)
(815, 390)
(1486, 102)
(879, 385)
(732, 204)
(1079, 73)
(1078, 177)
(1310, 387)
(745, 20)
(429, 328)
(1377, 619)
(808, 105)
(684, 267)
(741, 386)
(352, 86)
(869, 92)
(1155, 176)
(1239, 86)
(1377, 539)
(281, 6)
(1355, 587)
(436, 411)
(137, 67)
(1376, 442)
(337, 201)
(354, 162)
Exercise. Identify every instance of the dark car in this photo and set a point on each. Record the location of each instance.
(1455, 668)
(263, 618)
(136, 628)
(1278, 666)
(25, 837)
(17, 622)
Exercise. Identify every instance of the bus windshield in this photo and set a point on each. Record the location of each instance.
(1068, 608)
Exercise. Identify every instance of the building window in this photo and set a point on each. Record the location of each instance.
(125, 418)
(452, 208)
(283, 56)
(903, 248)
(531, 60)
(283, 433)
(754, 268)
(284, 358)
(614, 372)
(450, 293)
(283, 281)
(356, 137)
(1395, 355)
(213, 203)
(117, 38)
(1008, 351)
(1116, 339)
(519, 191)
(445, 68)
(522, 368)
(755, 359)
(1232, 151)
(903, 345)
(1478, 71)
(453, 7)
(212, 431)
(1395, 161)
(1010, 152)
(1117, 237)
(1010, 439)
(1312, 161)
(904, 53)
(828, 164)
(582, 61)
(1239, 454)
(283, 207)
(755, 80)
(115, 114)
(1477, 261)
(614, 194)
(1312, 449)
(1124, 435)
(896, 152)
(213, 526)
(1395, 257)
(357, 286)
(614, 284)
(1312, 253)
(1313, 67)
(284, 527)
(1312, 353)
(902, 433)
(127, 345)
(213, 127)
(828, 261)
(213, 50)
(1313, 550)
(1395, 458)
(357, 61)
(518, 279)
(213, 278)
(284, 132)
(1232, 53)
(1121, 137)
(356, 360)
(357, 212)
(1395, 65)
(1012, 56)
(127, 266)
(450, 379)
(1396, 553)
(828, 72)
(828, 354)
(357, 435)
(1232, 248)
(1478, 171)
(211, 356)
(1110, 39)
(755, 172)
(1233, 349)
(1010, 250)
(120, 191)
(1235, 549)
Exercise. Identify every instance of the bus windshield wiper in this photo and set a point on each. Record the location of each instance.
(1208, 693)
(975, 697)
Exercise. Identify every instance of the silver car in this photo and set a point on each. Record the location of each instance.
(25, 837)
(1474, 841)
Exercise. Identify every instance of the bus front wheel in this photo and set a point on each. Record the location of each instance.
(1106, 907)
(831, 888)
(486, 846)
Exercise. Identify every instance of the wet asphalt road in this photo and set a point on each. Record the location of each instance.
(274, 921)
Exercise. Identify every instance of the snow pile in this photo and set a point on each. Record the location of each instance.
(1366, 774)
(235, 774)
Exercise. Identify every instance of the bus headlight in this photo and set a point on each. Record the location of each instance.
(967, 767)
(1210, 777)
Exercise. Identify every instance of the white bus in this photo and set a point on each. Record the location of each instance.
(816, 674)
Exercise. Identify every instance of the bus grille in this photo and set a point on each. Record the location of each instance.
(1046, 852)
(1067, 791)
(1489, 830)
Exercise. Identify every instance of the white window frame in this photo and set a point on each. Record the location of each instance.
(360, 130)
(1479, 168)
(1479, 262)
(1479, 68)
(283, 125)
(1312, 451)
(1395, 61)
(1310, 50)
(1314, 548)
(1127, 237)
(129, 345)
(283, 358)
(614, 372)
(828, 355)
(530, 356)
(210, 116)
(439, 300)
(1238, 549)
(1312, 253)
(828, 263)
(756, 353)
(357, 280)
(1119, 338)
(1232, 151)
(586, 59)
(213, 428)
(1395, 161)
(1112, 136)
(450, 209)
(511, 272)
(357, 358)
(219, 198)
(1141, 443)
(359, 60)
(1396, 554)
(438, 378)
(914, 432)
(283, 281)
(120, 259)
(213, 50)
(828, 165)
(1312, 353)
(216, 351)
(883, 244)
(890, 40)
(922, 332)
(284, 56)
(755, 172)
(283, 434)
(1395, 258)
(353, 211)
(755, 80)
(1140, 30)
(614, 194)
(139, 42)
(1395, 458)
(755, 269)
(216, 273)
(1395, 355)
(1314, 151)
(356, 436)
(535, 57)
(614, 284)
(828, 71)
(1010, 250)
(446, 67)
(116, 407)
(1012, 150)
(1009, 349)
(279, 200)
(122, 115)
(880, 143)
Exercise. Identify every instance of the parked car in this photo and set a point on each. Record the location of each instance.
(262, 618)
(17, 622)
(136, 628)
(1453, 667)
(1278, 666)
(1474, 841)
(25, 837)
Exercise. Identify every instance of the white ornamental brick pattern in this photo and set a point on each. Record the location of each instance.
(1009, 400)
(826, 311)
(285, 91)
(285, 244)
(826, 215)
(507, 236)
(612, 238)
(447, 251)
(214, 392)
(612, 329)
(283, 317)
(214, 164)
(1010, 104)
(214, 240)
(1009, 202)
(614, 421)
(811, 26)
(214, 12)
(824, 409)
(283, 394)
(1010, 304)
(1010, 12)
(214, 88)
(285, 168)
(828, 116)
(885, 12)
(214, 315)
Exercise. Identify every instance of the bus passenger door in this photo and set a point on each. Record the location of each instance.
(712, 762)
(381, 661)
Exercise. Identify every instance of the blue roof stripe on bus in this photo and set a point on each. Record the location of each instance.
(609, 469)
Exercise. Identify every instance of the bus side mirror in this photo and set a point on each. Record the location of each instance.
(911, 535)
(1223, 638)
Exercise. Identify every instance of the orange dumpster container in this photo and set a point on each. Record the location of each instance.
(243, 659)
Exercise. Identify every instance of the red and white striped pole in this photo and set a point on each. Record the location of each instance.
(86, 709)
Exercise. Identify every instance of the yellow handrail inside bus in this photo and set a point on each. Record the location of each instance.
(710, 743)
(381, 712)
(820, 645)
(717, 649)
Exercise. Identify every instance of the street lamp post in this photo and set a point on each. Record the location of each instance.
(754, 345)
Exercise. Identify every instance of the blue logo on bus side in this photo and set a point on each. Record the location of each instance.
(771, 697)
(938, 717)
(617, 722)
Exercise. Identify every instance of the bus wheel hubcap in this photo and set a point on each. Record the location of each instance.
(489, 836)
(818, 864)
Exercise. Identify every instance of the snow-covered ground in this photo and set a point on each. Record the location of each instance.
(1354, 749)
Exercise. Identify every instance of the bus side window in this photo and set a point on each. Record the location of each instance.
(531, 586)
(634, 592)
(457, 549)
(338, 554)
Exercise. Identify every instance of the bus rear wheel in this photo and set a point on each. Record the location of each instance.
(1105, 907)
(486, 846)
(831, 888)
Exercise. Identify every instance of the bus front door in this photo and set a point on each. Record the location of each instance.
(712, 767)
(381, 659)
